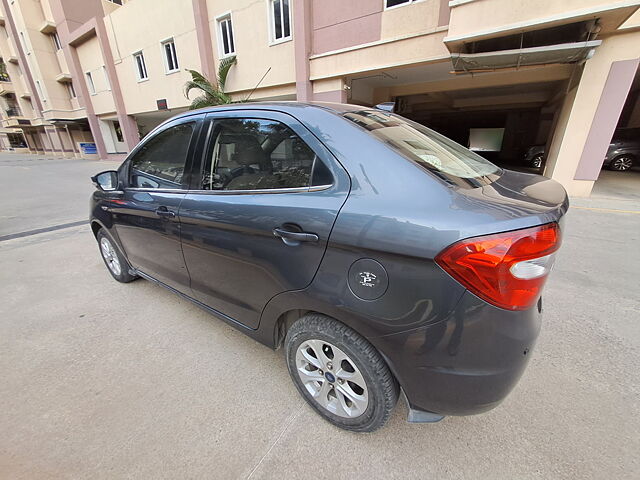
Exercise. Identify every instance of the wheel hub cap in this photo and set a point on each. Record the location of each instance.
(110, 256)
(332, 378)
(622, 163)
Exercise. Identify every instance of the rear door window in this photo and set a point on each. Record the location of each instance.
(259, 154)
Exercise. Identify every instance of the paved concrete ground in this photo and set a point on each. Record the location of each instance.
(104, 380)
(44, 191)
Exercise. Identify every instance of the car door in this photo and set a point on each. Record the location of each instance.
(146, 219)
(259, 217)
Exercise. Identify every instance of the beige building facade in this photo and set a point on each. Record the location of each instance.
(89, 78)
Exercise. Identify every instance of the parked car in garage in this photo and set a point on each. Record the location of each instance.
(382, 256)
(623, 152)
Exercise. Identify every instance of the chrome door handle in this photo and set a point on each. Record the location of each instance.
(294, 238)
(164, 212)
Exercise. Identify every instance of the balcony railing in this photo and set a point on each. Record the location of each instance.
(13, 112)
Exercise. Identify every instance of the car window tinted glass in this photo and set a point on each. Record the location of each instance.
(161, 160)
(424, 146)
(256, 154)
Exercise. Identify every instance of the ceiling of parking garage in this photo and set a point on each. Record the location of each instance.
(502, 97)
(452, 95)
(422, 73)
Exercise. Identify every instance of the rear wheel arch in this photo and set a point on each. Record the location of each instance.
(288, 318)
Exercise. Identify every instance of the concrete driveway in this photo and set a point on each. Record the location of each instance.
(104, 380)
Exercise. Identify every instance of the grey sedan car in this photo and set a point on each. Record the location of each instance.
(384, 258)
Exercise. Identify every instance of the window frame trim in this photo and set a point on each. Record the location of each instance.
(219, 20)
(206, 134)
(57, 43)
(271, 25)
(70, 89)
(410, 2)
(134, 55)
(91, 85)
(192, 152)
(164, 42)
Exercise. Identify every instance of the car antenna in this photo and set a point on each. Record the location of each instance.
(257, 85)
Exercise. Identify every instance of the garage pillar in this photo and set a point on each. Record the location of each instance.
(588, 117)
(330, 90)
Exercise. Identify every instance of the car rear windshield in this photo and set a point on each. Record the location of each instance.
(425, 147)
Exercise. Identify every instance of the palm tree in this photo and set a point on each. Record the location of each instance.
(211, 94)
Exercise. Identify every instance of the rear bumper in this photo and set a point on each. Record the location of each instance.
(466, 364)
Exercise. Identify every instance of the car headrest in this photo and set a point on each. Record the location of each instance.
(247, 150)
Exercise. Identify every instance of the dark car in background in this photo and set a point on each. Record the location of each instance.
(623, 152)
(384, 257)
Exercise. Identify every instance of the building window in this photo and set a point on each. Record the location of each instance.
(23, 40)
(71, 90)
(141, 67)
(90, 85)
(117, 2)
(280, 20)
(170, 57)
(106, 77)
(16, 140)
(396, 3)
(225, 34)
(56, 41)
(40, 92)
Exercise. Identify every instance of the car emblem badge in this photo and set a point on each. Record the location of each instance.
(368, 279)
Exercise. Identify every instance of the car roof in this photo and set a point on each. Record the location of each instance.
(282, 106)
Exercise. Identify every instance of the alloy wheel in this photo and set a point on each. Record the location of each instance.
(622, 163)
(537, 161)
(110, 256)
(332, 378)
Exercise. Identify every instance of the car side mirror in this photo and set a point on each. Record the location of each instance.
(106, 181)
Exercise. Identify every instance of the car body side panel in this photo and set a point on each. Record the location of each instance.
(236, 264)
(150, 242)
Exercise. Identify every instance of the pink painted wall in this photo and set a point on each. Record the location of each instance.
(337, 96)
(339, 24)
(77, 13)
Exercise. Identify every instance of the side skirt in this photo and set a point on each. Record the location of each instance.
(234, 323)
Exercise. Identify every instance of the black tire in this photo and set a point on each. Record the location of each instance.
(621, 163)
(381, 387)
(123, 274)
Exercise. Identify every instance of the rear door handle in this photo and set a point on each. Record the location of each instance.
(294, 238)
(164, 212)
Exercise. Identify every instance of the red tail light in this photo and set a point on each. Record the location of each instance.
(506, 269)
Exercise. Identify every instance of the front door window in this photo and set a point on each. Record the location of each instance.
(161, 161)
